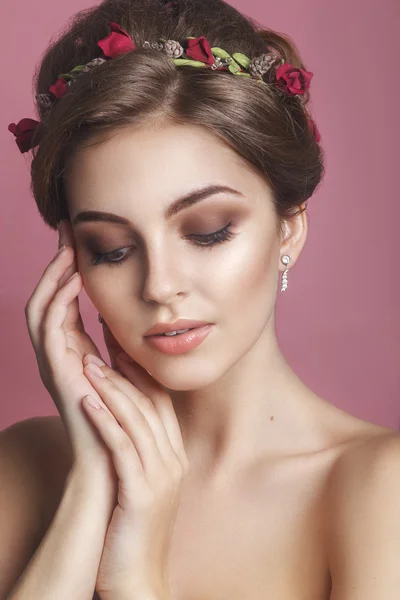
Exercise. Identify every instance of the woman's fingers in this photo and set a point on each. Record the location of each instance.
(132, 481)
(155, 404)
(44, 292)
(146, 405)
(141, 379)
(54, 325)
(161, 400)
(66, 237)
(130, 418)
(65, 233)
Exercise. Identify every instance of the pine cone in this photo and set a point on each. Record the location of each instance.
(173, 49)
(94, 63)
(88, 67)
(261, 64)
(274, 53)
(44, 101)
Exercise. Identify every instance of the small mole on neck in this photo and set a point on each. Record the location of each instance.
(272, 418)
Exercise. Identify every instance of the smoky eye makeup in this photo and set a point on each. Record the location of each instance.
(107, 237)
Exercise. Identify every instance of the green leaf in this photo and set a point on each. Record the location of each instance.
(244, 74)
(187, 61)
(71, 74)
(242, 59)
(234, 67)
(220, 52)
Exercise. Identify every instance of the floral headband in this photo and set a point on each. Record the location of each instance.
(195, 52)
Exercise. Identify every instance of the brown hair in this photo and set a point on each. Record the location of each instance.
(266, 127)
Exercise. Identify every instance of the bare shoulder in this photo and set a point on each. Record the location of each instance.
(365, 456)
(44, 437)
(57, 461)
(34, 438)
(42, 444)
(363, 505)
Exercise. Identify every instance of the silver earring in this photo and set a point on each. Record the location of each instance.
(100, 318)
(285, 259)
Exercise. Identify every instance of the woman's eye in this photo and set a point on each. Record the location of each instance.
(217, 237)
(206, 240)
(113, 257)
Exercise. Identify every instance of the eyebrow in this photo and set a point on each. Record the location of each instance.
(180, 204)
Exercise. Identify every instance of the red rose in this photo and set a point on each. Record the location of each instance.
(292, 80)
(314, 129)
(117, 42)
(23, 132)
(199, 49)
(59, 88)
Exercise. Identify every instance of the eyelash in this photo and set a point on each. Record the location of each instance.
(208, 240)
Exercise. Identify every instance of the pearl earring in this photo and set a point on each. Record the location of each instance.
(285, 259)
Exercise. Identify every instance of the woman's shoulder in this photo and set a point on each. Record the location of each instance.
(363, 516)
(362, 449)
(364, 455)
(44, 441)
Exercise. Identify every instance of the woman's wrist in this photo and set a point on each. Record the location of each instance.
(94, 488)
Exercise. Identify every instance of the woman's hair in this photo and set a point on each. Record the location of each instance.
(266, 127)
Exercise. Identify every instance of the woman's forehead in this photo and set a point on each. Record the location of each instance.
(164, 163)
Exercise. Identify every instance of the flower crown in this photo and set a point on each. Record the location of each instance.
(195, 52)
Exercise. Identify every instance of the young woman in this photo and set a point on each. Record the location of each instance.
(176, 155)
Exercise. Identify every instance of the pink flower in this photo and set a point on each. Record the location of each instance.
(117, 42)
(23, 132)
(199, 49)
(292, 80)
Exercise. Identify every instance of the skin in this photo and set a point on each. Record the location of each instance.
(233, 285)
(246, 418)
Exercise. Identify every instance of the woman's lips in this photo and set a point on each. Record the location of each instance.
(180, 343)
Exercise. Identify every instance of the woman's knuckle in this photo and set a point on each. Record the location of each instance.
(46, 324)
(147, 404)
(28, 310)
(124, 445)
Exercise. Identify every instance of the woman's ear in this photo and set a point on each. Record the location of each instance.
(293, 238)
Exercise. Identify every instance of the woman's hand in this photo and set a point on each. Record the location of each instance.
(143, 436)
(61, 343)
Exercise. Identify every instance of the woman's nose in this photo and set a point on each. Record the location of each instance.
(164, 279)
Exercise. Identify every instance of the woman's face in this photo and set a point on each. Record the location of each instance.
(156, 267)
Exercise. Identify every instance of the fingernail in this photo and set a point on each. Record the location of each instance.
(94, 359)
(93, 402)
(61, 249)
(72, 276)
(96, 370)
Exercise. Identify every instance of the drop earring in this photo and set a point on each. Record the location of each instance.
(100, 318)
(285, 259)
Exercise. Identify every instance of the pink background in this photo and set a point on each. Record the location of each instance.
(339, 321)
